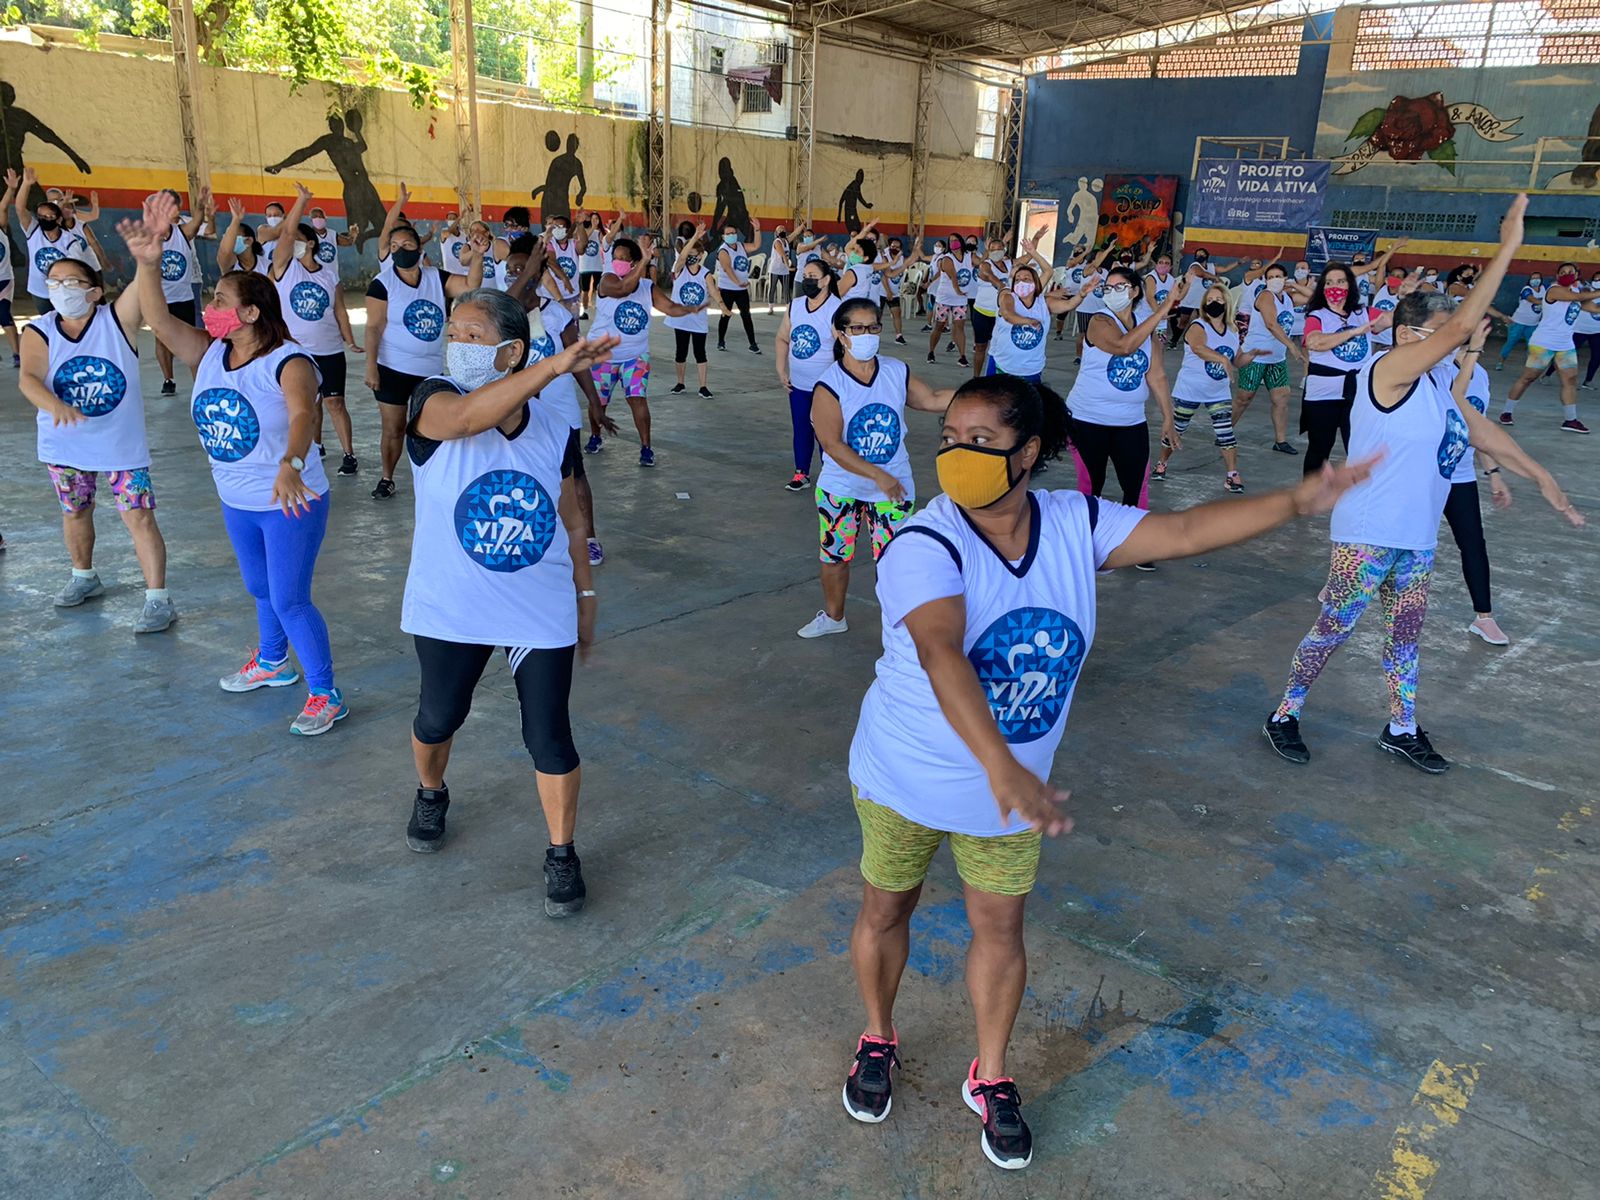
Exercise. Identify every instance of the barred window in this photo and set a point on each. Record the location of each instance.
(1275, 51)
(1137, 66)
(1478, 33)
(1405, 222)
(755, 99)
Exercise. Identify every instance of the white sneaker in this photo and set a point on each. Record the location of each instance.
(78, 590)
(822, 625)
(156, 616)
(1489, 630)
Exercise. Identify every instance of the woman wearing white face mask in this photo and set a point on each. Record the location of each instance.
(733, 281)
(1270, 345)
(82, 373)
(313, 306)
(562, 251)
(988, 611)
(865, 487)
(492, 564)
(992, 274)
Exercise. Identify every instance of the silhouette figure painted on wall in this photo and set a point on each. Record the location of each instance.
(730, 208)
(1082, 224)
(849, 199)
(362, 207)
(558, 180)
(17, 125)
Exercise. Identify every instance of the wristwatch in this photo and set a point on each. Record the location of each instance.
(294, 460)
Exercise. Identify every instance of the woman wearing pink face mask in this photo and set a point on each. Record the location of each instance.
(254, 405)
(1338, 344)
(1553, 341)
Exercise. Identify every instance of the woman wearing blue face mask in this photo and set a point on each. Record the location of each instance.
(491, 563)
(865, 487)
(988, 603)
(733, 281)
(237, 248)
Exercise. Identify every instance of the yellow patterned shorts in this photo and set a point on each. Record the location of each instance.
(895, 853)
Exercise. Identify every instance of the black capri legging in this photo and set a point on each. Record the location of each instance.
(1465, 517)
(682, 337)
(1322, 421)
(1126, 447)
(737, 298)
(450, 672)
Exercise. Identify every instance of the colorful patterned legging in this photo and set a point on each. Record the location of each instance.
(1399, 579)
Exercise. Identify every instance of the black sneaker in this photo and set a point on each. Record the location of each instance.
(384, 490)
(704, 393)
(868, 1089)
(563, 882)
(754, 349)
(1007, 1141)
(322, 452)
(1416, 749)
(349, 466)
(676, 388)
(962, 361)
(899, 339)
(425, 830)
(1284, 737)
(169, 387)
(1285, 448)
(931, 357)
(927, 329)
(722, 347)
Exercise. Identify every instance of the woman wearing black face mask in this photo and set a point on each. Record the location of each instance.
(1211, 359)
(988, 601)
(401, 356)
(804, 338)
(692, 287)
(47, 241)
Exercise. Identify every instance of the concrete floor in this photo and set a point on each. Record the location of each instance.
(223, 974)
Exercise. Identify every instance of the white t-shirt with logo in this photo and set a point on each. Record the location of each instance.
(1347, 357)
(689, 289)
(546, 328)
(451, 250)
(413, 338)
(810, 341)
(306, 298)
(1111, 389)
(1557, 324)
(1018, 349)
(1202, 382)
(1530, 301)
(874, 427)
(243, 422)
(490, 562)
(566, 256)
(629, 318)
(1029, 626)
(733, 267)
(177, 268)
(97, 374)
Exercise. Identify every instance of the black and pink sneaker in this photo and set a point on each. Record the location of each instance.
(1007, 1142)
(868, 1087)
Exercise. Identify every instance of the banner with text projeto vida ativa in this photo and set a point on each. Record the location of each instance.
(1271, 195)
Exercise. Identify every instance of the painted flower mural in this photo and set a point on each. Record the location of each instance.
(1412, 127)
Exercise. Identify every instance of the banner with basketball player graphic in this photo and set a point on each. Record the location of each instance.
(1135, 209)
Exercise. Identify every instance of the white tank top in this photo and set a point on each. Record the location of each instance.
(860, 276)
(890, 286)
(689, 288)
(177, 268)
(1383, 301)
(328, 250)
(1423, 441)
(778, 261)
(985, 296)
(738, 278)
(243, 424)
(1196, 293)
(874, 427)
(413, 339)
(629, 318)
(98, 374)
(566, 255)
(1028, 631)
(1346, 358)
(810, 341)
(1556, 324)
(1588, 322)
(1478, 396)
(1530, 300)
(307, 302)
(1259, 338)
(43, 254)
(1019, 349)
(1247, 301)
(546, 327)
(451, 250)
(490, 563)
(808, 256)
(589, 261)
(1111, 389)
(1163, 289)
(1202, 382)
(954, 295)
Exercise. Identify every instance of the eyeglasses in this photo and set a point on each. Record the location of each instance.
(1422, 330)
(1118, 287)
(875, 327)
(68, 285)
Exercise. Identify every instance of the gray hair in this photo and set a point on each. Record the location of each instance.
(505, 314)
(1416, 308)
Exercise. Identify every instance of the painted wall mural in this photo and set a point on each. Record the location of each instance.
(1080, 223)
(851, 202)
(564, 170)
(18, 125)
(730, 209)
(1413, 126)
(361, 202)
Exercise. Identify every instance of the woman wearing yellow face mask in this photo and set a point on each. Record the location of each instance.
(988, 601)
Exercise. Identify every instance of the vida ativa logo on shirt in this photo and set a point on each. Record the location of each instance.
(1027, 662)
(874, 433)
(1126, 371)
(804, 341)
(505, 520)
(631, 317)
(228, 425)
(308, 300)
(1453, 445)
(173, 266)
(424, 320)
(92, 385)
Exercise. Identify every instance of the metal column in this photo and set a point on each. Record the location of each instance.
(921, 149)
(196, 160)
(658, 148)
(805, 109)
(464, 102)
(1008, 142)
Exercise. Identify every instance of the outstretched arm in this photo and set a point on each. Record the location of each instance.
(298, 157)
(226, 258)
(23, 187)
(283, 248)
(143, 239)
(391, 218)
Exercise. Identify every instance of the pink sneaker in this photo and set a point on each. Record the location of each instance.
(869, 1088)
(257, 674)
(1007, 1141)
(1489, 631)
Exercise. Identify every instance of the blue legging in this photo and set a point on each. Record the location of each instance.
(1515, 335)
(277, 555)
(805, 439)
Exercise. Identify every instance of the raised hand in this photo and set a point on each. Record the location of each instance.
(29, 177)
(13, 180)
(143, 242)
(160, 212)
(303, 192)
(236, 208)
(403, 196)
(586, 352)
(1511, 227)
